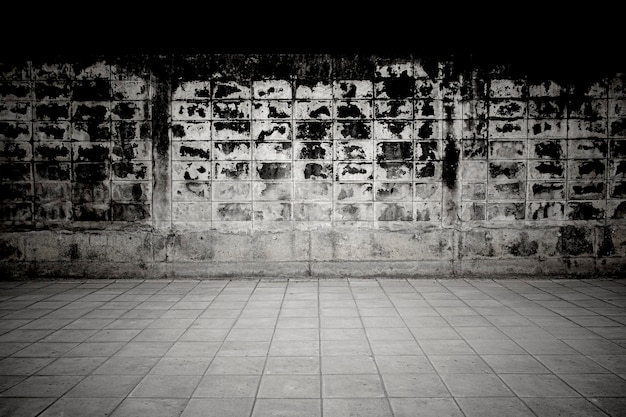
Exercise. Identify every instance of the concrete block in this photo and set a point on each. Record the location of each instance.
(547, 149)
(506, 88)
(506, 211)
(595, 89)
(506, 190)
(308, 170)
(142, 170)
(190, 110)
(16, 91)
(351, 89)
(401, 86)
(15, 151)
(617, 86)
(192, 190)
(130, 90)
(354, 150)
(53, 212)
(393, 109)
(507, 149)
(427, 191)
(231, 90)
(191, 211)
(91, 90)
(232, 212)
(587, 108)
(617, 169)
(272, 151)
(617, 127)
(546, 88)
(272, 89)
(429, 212)
(392, 129)
(138, 110)
(510, 128)
(192, 90)
(354, 171)
(430, 150)
(272, 109)
(473, 171)
(272, 211)
(267, 191)
(395, 269)
(547, 108)
(347, 192)
(314, 130)
(192, 130)
(231, 151)
(353, 130)
(16, 191)
(394, 171)
(51, 71)
(16, 111)
(474, 191)
(124, 191)
(616, 209)
(191, 151)
(141, 150)
(52, 151)
(394, 191)
(546, 170)
(231, 191)
(313, 90)
(272, 170)
(352, 109)
(99, 192)
(232, 109)
(580, 128)
(472, 211)
(507, 170)
(92, 130)
(231, 170)
(91, 111)
(586, 190)
(507, 108)
(313, 109)
(474, 149)
(394, 151)
(16, 71)
(131, 212)
(586, 210)
(313, 191)
(87, 151)
(427, 129)
(393, 211)
(12, 247)
(354, 212)
(92, 71)
(313, 150)
(428, 109)
(549, 210)
(427, 171)
(590, 169)
(16, 131)
(264, 130)
(16, 214)
(544, 190)
(227, 130)
(313, 212)
(428, 88)
(547, 129)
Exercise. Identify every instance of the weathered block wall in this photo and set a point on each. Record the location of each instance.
(238, 165)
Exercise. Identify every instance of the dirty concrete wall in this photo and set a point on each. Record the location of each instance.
(308, 165)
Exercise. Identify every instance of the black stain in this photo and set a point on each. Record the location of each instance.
(474, 148)
(618, 127)
(225, 90)
(91, 213)
(547, 189)
(7, 250)
(543, 211)
(277, 113)
(394, 151)
(450, 163)
(234, 211)
(508, 188)
(200, 169)
(313, 170)
(399, 87)
(427, 151)
(195, 152)
(348, 90)
(349, 110)
(618, 149)
(585, 211)
(237, 127)
(136, 191)
(396, 127)
(14, 191)
(425, 131)
(548, 150)
(606, 246)
(620, 168)
(91, 173)
(524, 246)
(588, 189)
(620, 211)
(395, 169)
(229, 147)
(95, 129)
(550, 168)
(574, 241)
(426, 171)
(228, 111)
(13, 131)
(538, 128)
(320, 111)
(92, 90)
(427, 108)
(53, 171)
(619, 190)
(73, 252)
(273, 171)
(51, 91)
(93, 112)
(353, 170)
(356, 130)
(15, 172)
(508, 109)
(130, 212)
(313, 130)
(595, 145)
(96, 153)
(178, 131)
(353, 152)
(126, 110)
(589, 167)
(312, 150)
(16, 90)
(509, 127)
(13, 150)
(52, 152)
(52, 131)
(52, 111)
(281, 129)
(239, 170)
(395, 212)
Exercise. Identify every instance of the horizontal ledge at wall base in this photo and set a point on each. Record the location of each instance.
(444, 269)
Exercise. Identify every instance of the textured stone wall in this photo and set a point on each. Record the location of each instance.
(239, 165)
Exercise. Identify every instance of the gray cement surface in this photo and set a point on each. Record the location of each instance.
(313, 347)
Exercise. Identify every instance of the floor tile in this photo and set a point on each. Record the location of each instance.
(476, 385)
(104, 386)
(401, 364)
(227, 386)
(71, 366)
(289, 386)
(42, 386)
(494, 407)
(353, 364)
(23, 366)
(596, 385)
(294, 348)
(459, 364)
(166, 386)
(149, 407)
(538, 385)
(515, 364)
(570, 364)
(80, 407)
(362, 407)
(292, 365)
(18, 407)
(570, 407)
(268, 407)
(424, 407)
(352, 386)
(237, 365)
(414, 385)
(126, 365)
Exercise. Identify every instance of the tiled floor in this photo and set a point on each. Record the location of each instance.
(332, 348)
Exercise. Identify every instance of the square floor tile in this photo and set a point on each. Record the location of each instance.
(494, 407)
(476, 385)
(218, 407)
(415, 385)
(400, 364)
(352, 386)
(353, 364)
(71, 366)
(570, 364)
(243, 349)
(149, 407)
(459, 364)
(23, 366)
(80, 407)
(293, 365)
(538, 385)
(18, 407)
(362, 407)
(227, 386)
(570, 407)
(345, 348)
(237, 365)
(515, 364)
(418, 407)
(126, 365)
(596, 385)
(289, 386)
(446, 347)
(104, 386)
(166, 386)
(43, 386)
(267, 407)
